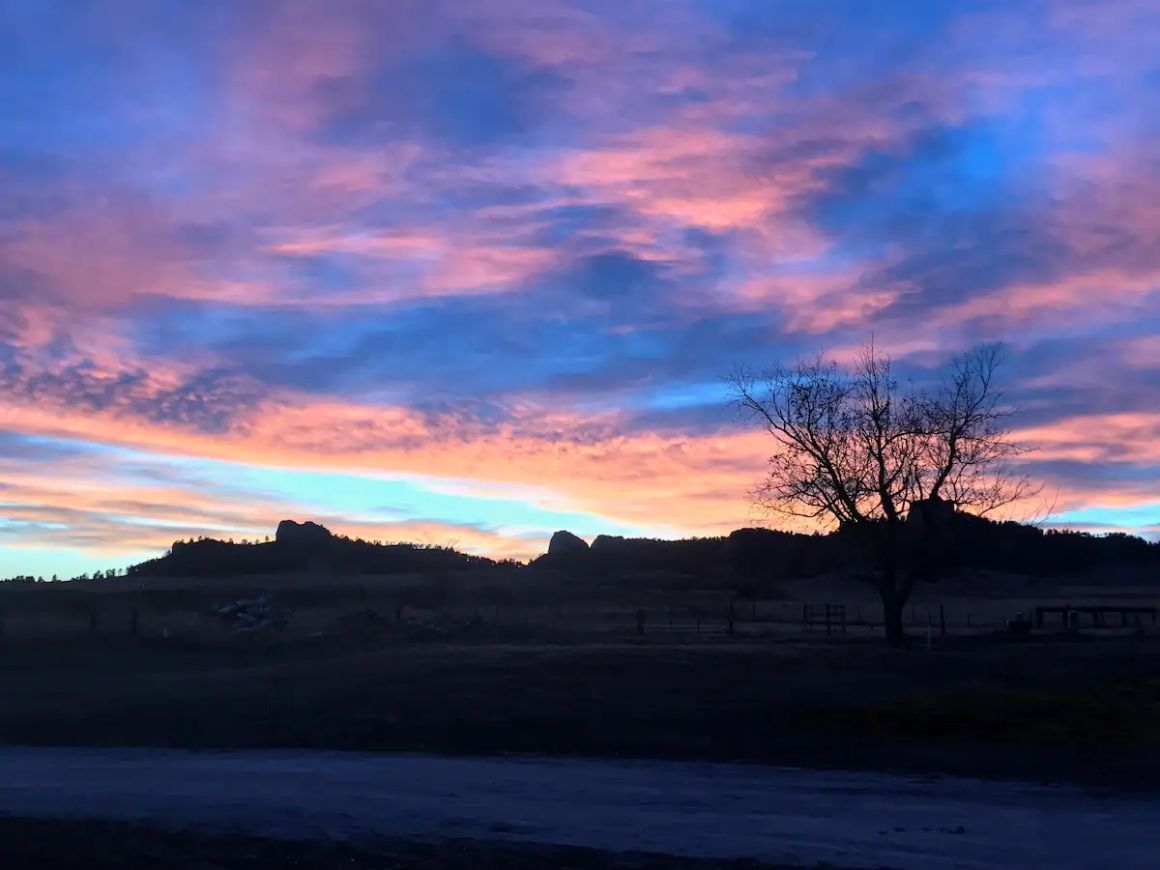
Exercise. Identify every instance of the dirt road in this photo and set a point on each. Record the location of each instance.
(776, 814)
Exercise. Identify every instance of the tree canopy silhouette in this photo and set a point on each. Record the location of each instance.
(889, 467)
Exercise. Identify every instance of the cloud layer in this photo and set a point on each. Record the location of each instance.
(496, 247)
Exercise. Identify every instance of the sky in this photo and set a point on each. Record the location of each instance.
(470, 272)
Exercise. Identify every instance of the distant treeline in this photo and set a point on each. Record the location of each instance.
(753, 555)
(968, 542)
(29, 579)
(302, 547)
(1023, 549)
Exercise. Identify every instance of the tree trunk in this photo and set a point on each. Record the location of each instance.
(892, 609)
(893, 598)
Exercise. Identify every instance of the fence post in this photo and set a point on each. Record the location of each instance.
(639, 621)
(731, 619)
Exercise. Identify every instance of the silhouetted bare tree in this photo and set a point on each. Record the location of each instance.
(888, 466)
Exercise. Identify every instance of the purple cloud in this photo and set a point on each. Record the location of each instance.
(537, 225)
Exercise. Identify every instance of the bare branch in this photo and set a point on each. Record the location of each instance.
(855, 450)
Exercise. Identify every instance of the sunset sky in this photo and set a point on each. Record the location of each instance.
(470, 272)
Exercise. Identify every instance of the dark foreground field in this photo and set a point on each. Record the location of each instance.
(1080, 710)
(65, 845)
(1086, 711)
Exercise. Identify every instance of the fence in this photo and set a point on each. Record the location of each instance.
(136, 615)
(831, 616)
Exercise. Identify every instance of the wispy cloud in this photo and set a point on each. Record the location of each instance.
(485, 244)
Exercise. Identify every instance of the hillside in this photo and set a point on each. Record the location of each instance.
(964, 542)
(302, 547)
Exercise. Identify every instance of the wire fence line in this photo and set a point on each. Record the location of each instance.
(137, 616)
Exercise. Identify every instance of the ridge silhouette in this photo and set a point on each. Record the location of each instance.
(968, 542)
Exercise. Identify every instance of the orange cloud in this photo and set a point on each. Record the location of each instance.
(1097, 438)
(697, 484)
(84, 501)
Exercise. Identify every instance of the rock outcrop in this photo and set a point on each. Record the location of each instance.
(301, 534)
(565, 544)
(609, 544)
(932, 512)
(303, 547)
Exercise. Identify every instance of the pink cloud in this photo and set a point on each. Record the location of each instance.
(697, 484)
(1128, 437)
(661, 124)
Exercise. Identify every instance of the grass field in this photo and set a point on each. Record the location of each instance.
(1083, 710)
(515, 663)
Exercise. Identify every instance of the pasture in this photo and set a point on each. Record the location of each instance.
(514, 663)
